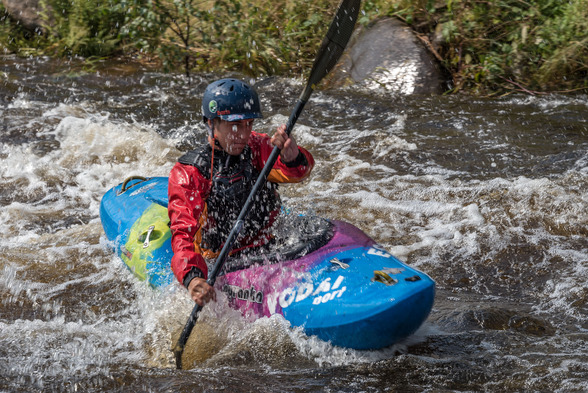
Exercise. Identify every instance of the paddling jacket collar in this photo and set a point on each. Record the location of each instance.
(202, 210)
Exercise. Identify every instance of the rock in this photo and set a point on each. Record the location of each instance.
(387, 56)
(26, 12)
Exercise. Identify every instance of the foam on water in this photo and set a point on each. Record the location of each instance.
(49, 244)
(475, 221)
(548, 103)
(71, 313)
(90, 154)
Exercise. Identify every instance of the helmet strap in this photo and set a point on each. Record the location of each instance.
(215, 143)
(212, 165)
(209, 128)
(212, 138)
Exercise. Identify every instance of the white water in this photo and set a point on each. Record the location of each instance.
(72, 316)
(95, 154)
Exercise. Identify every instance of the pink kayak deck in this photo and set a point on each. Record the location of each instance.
(256, 290)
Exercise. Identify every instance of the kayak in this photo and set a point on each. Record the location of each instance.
(326, 276)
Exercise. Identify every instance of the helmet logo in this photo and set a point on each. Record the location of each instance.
(212, 106)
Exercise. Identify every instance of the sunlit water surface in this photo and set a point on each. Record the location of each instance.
(487, 196)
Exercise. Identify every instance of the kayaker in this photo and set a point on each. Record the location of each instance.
(209, 186)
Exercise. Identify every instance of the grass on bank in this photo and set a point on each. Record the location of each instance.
(486, 45)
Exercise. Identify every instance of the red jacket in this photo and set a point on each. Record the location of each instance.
(188, 190)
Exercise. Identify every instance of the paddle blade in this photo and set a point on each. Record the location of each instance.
(335, 41)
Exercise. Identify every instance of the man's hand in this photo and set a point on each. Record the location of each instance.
(200, 291)
(288, 146)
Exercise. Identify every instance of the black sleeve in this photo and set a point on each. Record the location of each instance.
(192, 274)
(299, 160)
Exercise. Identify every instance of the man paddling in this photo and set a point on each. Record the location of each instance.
(209, 186)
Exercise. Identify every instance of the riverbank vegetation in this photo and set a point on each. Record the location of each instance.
(488, 46)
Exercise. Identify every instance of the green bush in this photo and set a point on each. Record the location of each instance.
(499, 45)
(72, 27)
(488, 46)
(14, 38)
(258, 38)
(83, 27)
(563, 41)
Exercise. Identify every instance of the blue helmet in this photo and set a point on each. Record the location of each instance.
(231, 100)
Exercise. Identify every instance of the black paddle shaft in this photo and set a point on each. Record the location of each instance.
(329, 53)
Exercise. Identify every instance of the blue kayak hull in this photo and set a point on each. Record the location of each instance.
(345, 289)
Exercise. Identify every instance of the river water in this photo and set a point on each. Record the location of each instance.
(487, 196)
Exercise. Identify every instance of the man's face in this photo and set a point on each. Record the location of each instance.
(233, 136)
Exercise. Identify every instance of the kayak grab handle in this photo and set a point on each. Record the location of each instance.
(124, 187)
(148, 236)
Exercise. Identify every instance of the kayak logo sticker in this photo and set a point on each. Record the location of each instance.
(323, 293)
(248, 295)
(212, 106)
(379, 251)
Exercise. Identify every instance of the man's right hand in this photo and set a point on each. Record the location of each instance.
(200, 291)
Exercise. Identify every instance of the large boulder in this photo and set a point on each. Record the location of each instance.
(388, 57)
(27, 12)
